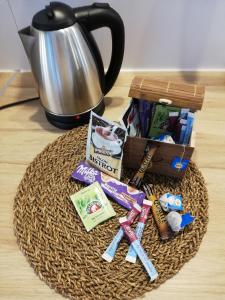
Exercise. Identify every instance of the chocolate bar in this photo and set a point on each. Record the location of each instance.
(122, 193)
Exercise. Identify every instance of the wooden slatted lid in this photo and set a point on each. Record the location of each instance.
(178, 94)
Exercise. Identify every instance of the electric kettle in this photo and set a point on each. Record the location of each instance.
(66, 62)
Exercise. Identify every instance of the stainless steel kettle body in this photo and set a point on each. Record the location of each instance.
(65, 70)
(65, 59)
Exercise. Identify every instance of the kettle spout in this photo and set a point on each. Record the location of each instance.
(27, 40)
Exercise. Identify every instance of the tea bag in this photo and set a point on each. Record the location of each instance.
(92, 206)
(105, 145)
(160, 121)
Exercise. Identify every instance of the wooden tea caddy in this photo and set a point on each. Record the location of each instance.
(169, 93)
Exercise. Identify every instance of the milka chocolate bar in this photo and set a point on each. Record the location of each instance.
(122, 193)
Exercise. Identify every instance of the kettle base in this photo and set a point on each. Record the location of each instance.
(69, 122)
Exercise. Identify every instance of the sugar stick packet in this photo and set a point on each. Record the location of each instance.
(132, 255)
(138, 248)
(110, 252)
(157, 213)
(136, 181)
(122, 193)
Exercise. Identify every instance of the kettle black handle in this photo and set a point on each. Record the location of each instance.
(100, 15)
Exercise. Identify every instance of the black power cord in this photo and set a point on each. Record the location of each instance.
(17, 103)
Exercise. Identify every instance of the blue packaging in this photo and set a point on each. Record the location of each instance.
(110, 252)
(170, 202)
(190, 121)
(182, 134)
(177, 221)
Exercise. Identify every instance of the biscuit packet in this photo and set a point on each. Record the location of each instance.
(92, 206)
(105, 145)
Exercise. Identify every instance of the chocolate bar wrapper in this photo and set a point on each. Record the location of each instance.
(157, 213)
(122, 193)
(136, 181)
(160, 220)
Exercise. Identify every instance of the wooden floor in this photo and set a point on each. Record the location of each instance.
(24, 132)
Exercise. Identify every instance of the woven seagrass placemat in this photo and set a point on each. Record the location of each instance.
(66, 257)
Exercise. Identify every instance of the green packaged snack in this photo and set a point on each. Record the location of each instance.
(160, 121)
(92, 205)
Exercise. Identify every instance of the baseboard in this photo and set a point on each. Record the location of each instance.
(212, 77)
(141, 70)
(202, 70)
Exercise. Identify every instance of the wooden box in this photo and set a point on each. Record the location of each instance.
(170, 93)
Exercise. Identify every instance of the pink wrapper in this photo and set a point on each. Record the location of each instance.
(133, 213)
(145, 211)
(129, 233)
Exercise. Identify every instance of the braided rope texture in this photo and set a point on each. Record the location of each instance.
(53, 239)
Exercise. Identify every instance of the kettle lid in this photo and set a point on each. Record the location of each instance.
(55, 16)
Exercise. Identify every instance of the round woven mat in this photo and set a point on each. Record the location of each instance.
(66, 257)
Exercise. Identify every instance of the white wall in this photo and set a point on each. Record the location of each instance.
(160, 34)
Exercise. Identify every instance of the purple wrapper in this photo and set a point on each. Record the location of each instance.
(122, 193)
(145, 115)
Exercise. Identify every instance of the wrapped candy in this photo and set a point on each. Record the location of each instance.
(170, 202)
(177, 222)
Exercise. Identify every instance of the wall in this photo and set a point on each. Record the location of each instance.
(160, 34)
